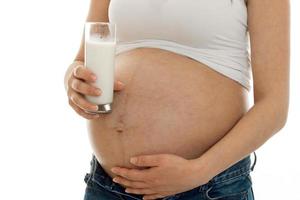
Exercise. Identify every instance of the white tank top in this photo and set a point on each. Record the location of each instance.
(213, 32)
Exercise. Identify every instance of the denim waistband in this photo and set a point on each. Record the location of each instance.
(100, 177)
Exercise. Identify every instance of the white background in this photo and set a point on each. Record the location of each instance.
(44, 147)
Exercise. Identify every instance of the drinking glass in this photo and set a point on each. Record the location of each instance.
(100, 48)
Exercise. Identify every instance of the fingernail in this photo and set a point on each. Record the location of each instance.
(94, 77)
(133, 160)
(98, 91)
(121, 83)
(114, 170)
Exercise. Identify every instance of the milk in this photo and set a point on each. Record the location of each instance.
(100, 59)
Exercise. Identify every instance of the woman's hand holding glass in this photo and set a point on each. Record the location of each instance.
(80, 84)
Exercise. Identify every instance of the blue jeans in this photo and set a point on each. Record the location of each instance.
(234, 183)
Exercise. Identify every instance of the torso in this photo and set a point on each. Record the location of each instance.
(170, 104)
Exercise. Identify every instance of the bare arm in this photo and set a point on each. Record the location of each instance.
(98, 11)
(78, 78)
(269, 29)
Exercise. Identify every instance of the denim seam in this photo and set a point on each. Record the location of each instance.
(94, 165)
(240, 171)
(244, 194)
(231, 178)
(172, 197)
(252, 193)
(121, 193)
(120, 196)
(93, 188)
(111, 189)
(91, 173)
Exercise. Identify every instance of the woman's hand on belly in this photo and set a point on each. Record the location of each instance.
(166, 174)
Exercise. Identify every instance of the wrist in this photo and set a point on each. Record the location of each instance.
(81, 62)
(201, 170)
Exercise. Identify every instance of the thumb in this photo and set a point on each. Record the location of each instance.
(147, 160)
(118, 85)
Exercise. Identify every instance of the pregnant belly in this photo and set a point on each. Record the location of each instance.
(170, 104)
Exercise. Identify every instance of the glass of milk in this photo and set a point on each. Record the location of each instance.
(100, 46)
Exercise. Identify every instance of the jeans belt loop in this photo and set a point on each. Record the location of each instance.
(254, 163)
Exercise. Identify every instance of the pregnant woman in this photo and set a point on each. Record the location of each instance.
(181, 126)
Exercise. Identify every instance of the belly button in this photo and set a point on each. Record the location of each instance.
(120, 124)
(120, 129)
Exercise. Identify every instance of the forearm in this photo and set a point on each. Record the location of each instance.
(69, 71)
(262, 121)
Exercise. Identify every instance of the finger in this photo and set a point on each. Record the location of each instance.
(139, 191)
(152, 196)
(131, 174)
(82, 112)
(147, 160)
(130, 183)
(84, 73)
(118, 85)
(84, 88)
(81, 102)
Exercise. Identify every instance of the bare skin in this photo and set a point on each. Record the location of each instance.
(166, 106)
(180, 112)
